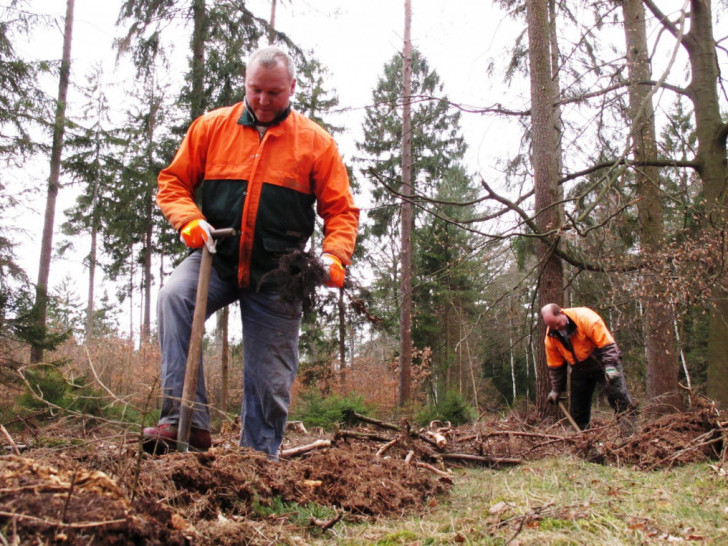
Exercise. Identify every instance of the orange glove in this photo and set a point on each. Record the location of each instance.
(197, 233)
(335, 269)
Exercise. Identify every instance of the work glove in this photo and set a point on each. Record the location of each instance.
(612, 373)
(197, 233)
(335, 270)
(553, 397)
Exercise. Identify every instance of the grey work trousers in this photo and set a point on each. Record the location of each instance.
(270, 353)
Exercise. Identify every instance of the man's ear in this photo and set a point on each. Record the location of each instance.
(293, 86)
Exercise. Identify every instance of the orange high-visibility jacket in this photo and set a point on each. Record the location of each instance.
(590, 333)
(265, 187)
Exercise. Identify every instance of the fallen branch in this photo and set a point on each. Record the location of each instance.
(294, 451)
(361, 435)
(385, 447)
(517, 433)
(373, 421)
(477, 458)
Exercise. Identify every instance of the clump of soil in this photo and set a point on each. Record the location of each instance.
(299, 274)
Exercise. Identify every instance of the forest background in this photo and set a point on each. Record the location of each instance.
(524, 190)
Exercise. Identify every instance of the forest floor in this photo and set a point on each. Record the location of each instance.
(73, 484)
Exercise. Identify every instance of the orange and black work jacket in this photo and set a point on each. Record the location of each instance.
(587, 337)
(263, 186)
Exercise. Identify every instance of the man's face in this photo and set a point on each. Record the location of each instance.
(268, 90)
(555, 322)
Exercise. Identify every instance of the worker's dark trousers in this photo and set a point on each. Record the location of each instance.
(585, 376)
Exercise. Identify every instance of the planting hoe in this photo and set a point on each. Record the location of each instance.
(195, 351)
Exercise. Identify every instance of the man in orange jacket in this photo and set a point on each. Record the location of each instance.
(579, 337)
(260, 167)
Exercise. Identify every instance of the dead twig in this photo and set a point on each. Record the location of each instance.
(517, 433)
(51, 522)
(328, 524)
(431, 468)
(10, 440)
(523, 519)
(70, 494)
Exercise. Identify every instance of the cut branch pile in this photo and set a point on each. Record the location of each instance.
(676, 439)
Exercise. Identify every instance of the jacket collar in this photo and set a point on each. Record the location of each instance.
(248, 117)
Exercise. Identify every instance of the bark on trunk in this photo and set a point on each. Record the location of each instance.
(544, 123)
(662, 369)
(405, 327)
(44, 267)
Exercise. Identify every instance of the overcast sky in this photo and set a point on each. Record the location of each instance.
(353, 39)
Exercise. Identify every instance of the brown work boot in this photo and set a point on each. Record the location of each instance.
(163, 438)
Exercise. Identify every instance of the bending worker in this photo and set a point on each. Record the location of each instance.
(260, 167)
(578, 335)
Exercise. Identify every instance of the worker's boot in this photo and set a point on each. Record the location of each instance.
(163, 438)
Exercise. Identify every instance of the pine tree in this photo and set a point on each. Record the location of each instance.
(40, 308)
(437, 149)
(93, 161)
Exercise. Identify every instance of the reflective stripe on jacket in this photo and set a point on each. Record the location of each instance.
(590, 335)
(264, 187)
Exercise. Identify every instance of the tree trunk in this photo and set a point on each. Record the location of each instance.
(544, 123)
(147, 277)
(711, 133)
(662, 369)
(271, 30)
(94, 245)
(199, 31)
(342, 342)
(151, 129)
(223, 319)
(46, 251)
(405, 327)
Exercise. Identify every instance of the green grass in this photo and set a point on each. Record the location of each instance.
(562, 502)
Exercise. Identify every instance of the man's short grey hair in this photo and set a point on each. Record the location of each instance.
(270, 55)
